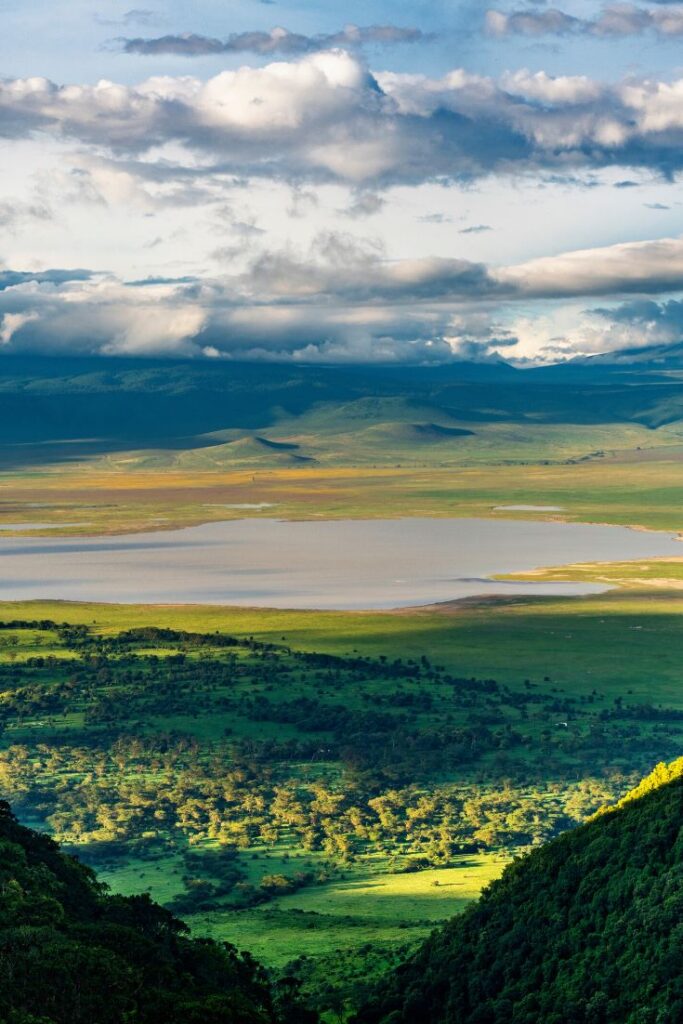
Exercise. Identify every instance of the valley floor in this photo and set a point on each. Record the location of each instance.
(322, 788)
(624, 487)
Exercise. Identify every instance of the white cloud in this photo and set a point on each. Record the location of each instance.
(12, 322)
(563, 89)
(102, 315)
(326, 117)
(636, 267)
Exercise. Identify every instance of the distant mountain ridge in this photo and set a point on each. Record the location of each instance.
(74, 408)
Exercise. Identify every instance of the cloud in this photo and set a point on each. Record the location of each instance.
(139, 15)
(135, 16)
(640, 325)
(435, 218)
(339, 270)
(302, 202)
(343, 300)
(14, 214)
(649, 267)
(476, 229)
(13, 278)
(531, 23)
(363, 204)
(75, 312)
(107, 317)
(241, 223)
(614, 20)
(326, 118)
(476, 336)
(277, 41)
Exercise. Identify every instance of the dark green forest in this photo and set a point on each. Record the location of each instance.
(72, 954)
(154, 740)
(587, 929)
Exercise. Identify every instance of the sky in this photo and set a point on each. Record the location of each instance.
(392, 182)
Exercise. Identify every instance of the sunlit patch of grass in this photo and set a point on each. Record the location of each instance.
(661, 574)
(363, 906)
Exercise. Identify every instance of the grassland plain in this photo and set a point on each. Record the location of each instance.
(99, 734)
(621, 639)
(485, 447)
(645, 493)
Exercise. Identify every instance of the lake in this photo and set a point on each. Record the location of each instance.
(335, 564)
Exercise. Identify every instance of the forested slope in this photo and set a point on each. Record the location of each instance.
(588, 930)
(71, 954)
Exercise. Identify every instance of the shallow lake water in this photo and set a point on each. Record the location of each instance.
(334, 564)
(528, 508)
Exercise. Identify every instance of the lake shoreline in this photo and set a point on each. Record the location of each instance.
(353, 564)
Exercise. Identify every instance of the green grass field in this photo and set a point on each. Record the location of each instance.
(658, 574)
(644, 493)
(364, 906)
(620, 640)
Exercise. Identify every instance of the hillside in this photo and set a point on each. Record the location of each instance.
(70, 954)
(59, 409)
(586, 929)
